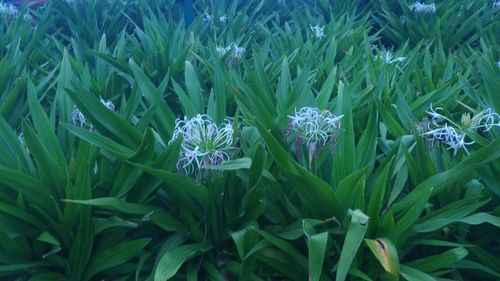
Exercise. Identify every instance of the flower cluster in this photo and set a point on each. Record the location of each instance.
(423, 8)
(8, 10)
(496, 4)
(319, 31)
(314, 128)
(203, 142)
(77, 117)
(443, 129)
(314, 125)
(237, 50)
(208, 18)
(388, 58)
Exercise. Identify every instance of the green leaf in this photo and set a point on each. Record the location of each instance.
(412, 274)
(114, 256)
(317, 249)
(280, 155)
(284, 246)
(193, 87)
(49, 277)
(345, 152)
(439, 181)
(106, 121)
(439, 261)
(376, 203)
(324, 95)
(172, 260)
(231, 165)
(353, 239)
(118, 150)
(164, 115)
(188, 107)
(49, 239)
(22, 266)
(352, 184)
(386, 254)
(43, 126)
(158, 216)
(435, 224)
(51, 172)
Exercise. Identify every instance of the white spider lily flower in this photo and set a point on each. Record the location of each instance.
(314, 125)
(221, 51)
(77, 117)
(314, 128)
(488, 120)
(449, 136)
(496, 4)
(452, 135)
(388, 58)
(319, 31)
(108, 104)
(223, 19)
(458, 142)
(207, 17)
(20, 137)
(203, 142)
(237, 50)
(423, 8)
(438, 117)
(498, 62)
(8, 10)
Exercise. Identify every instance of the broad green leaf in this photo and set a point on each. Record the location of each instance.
(437, 182)
(284, 246)
(158, 216)
(193, 87)
(435, 224)
(412, 274)
(354, 237)
(51, 172)
(22, 266)
(345, 152)
(49, 277)
(172, 260)
(43, 126)
(114, 256)
(280, 155)
(386, 254)
(378, 195)
(432, 263)
(324, 95)
(100, 141)
(231, 165)
(49, 239)
(317, 250)
(103, 119)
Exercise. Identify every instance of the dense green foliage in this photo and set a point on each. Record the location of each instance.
(91, 190)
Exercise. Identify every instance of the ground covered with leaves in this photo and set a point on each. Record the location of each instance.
(266, 140)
